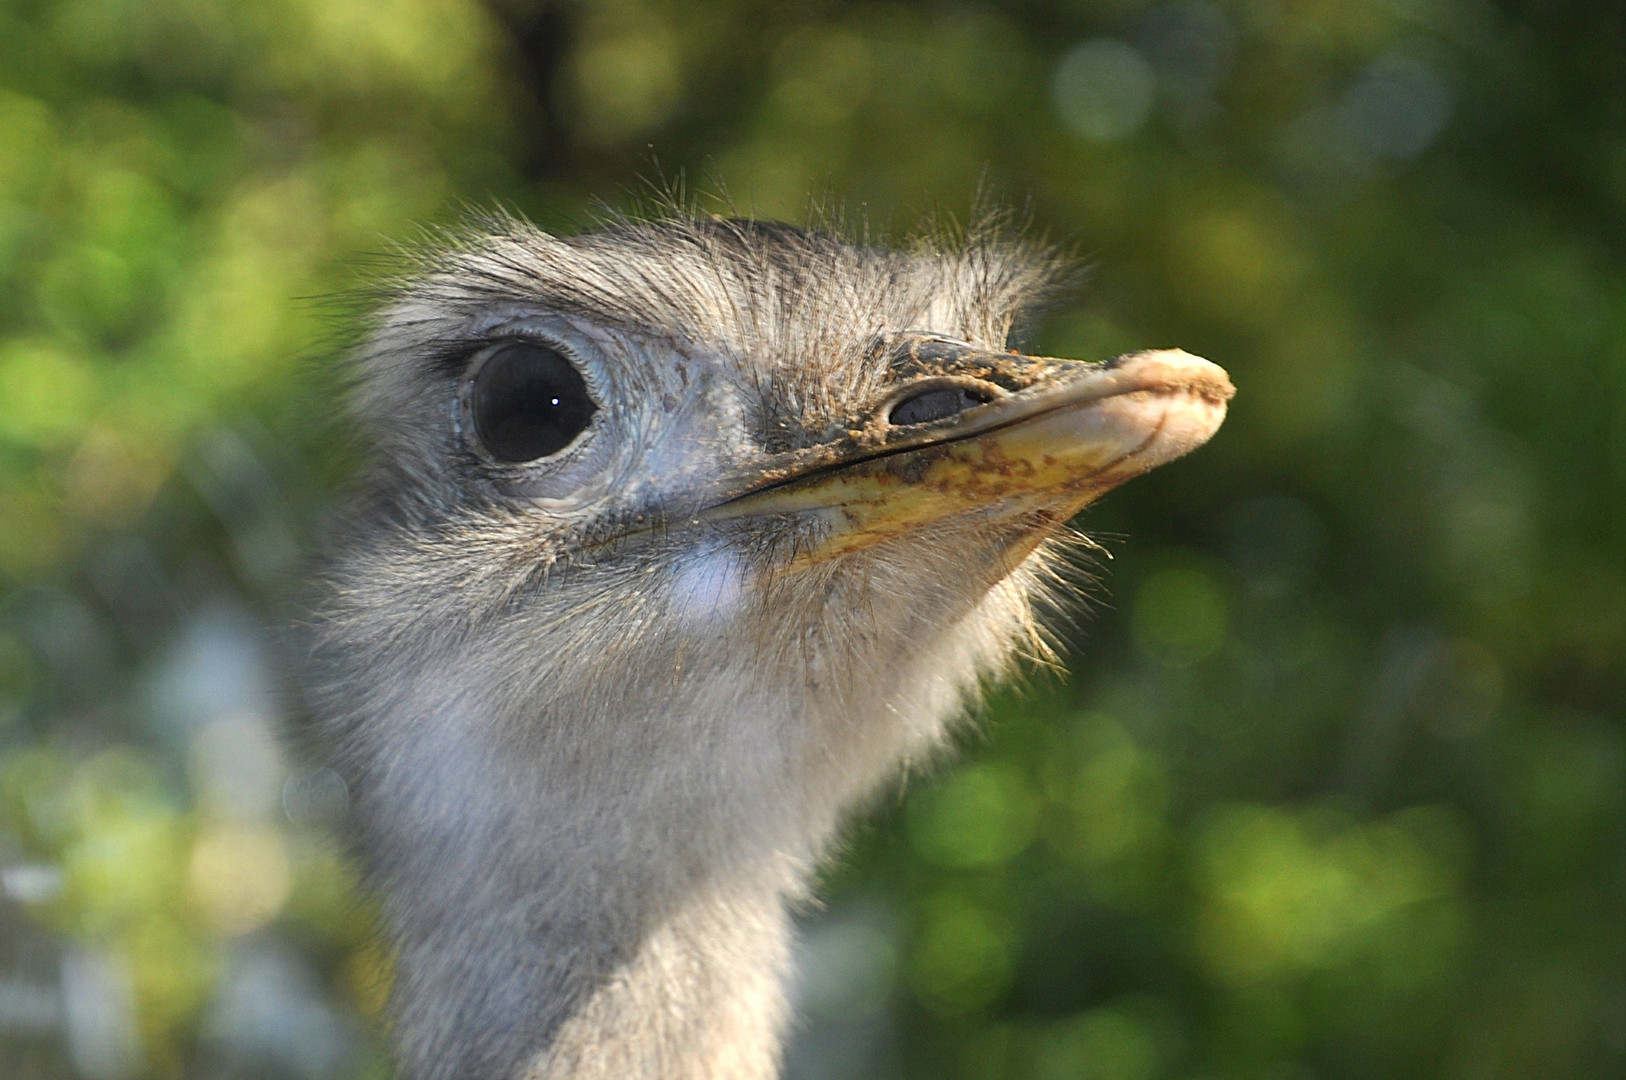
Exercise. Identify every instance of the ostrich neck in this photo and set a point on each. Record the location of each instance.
(558, 918)
(701, 998)
(587, 874)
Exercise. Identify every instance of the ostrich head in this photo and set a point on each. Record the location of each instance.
(684, 536)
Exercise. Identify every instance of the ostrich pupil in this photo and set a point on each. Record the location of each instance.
(528, 402)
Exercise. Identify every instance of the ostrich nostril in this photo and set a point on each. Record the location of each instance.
(938, 403)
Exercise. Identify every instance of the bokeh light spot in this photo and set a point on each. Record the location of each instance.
(46, 392)
(1116, 801)
(238, 876)
(1397, 108)
(626, 81)
(961, 960)
(1104, 90)
(1290, 893)
(980, 816)
(1179, 616)
(1102, 1044)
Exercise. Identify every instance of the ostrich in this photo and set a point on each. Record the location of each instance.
(684, 537)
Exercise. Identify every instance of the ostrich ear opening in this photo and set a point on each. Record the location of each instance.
(1049, 450)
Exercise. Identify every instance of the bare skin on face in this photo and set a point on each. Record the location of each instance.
(684, 539)
(1065, 439)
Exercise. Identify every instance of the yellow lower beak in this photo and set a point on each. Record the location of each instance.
(1052, 448)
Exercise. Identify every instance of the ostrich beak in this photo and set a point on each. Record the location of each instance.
(1074, 432)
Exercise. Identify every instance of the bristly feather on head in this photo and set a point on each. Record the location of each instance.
(799, 316)
(799, 308)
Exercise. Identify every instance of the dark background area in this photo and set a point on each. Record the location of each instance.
(1335, 783)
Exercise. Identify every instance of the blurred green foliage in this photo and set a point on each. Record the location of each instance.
(1337, 785)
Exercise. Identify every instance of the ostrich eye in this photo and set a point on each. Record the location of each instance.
(937, 404)
(528, 401)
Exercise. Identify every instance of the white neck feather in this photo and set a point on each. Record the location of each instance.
(542, 936)
(590, 880)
